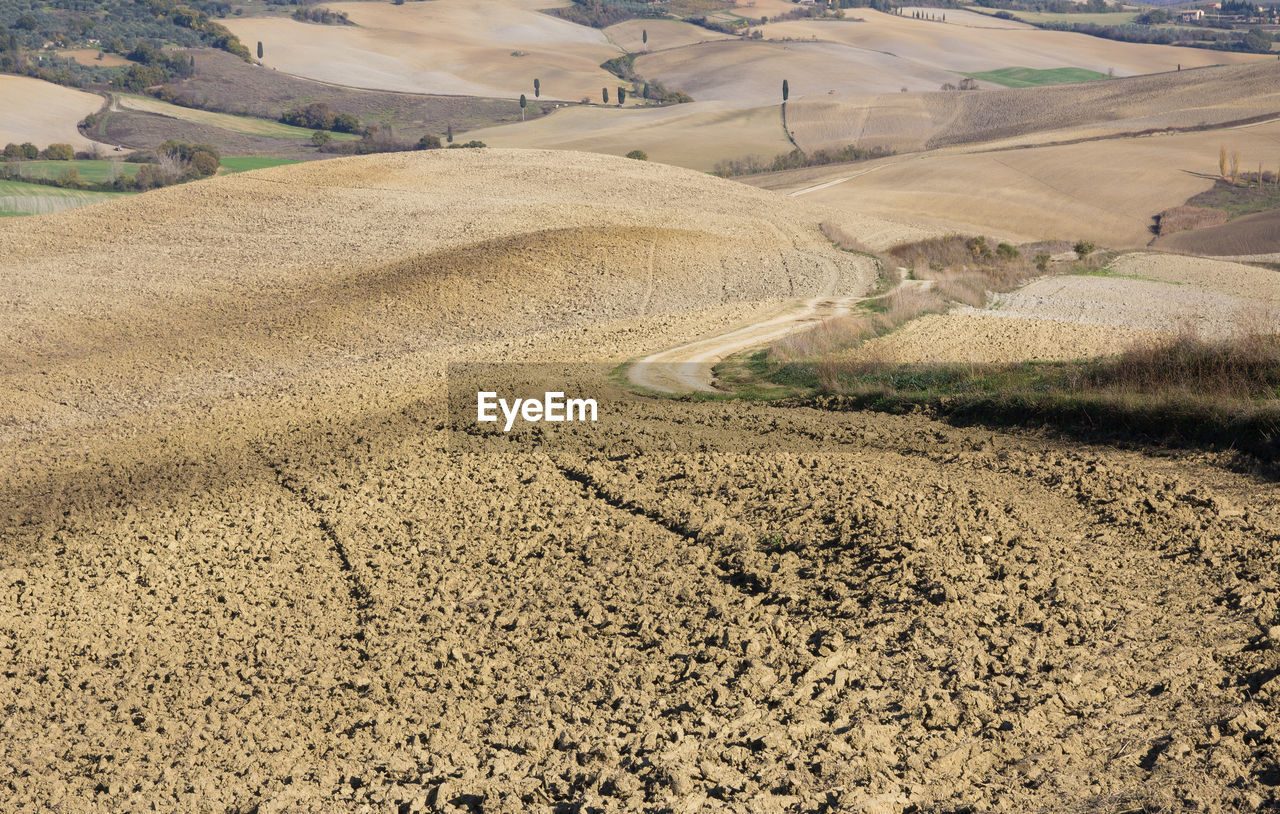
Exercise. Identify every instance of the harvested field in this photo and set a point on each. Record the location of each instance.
(1107, 191)
(227, 84)
(235, 124)
(973, 18)
(1249, 235)
(1130, 303)
(967, 336)
(694, 135)
(238, 536)
(43, 113)
(476, 48)
(1237, 279)
(92, 57)
(914, 121)
(964, 49)
(146, 131)
(1103, 18)
(663, 34)
(751, 72)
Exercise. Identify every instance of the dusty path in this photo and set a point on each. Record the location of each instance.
(687, 369)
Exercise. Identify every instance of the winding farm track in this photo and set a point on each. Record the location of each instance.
(688, 368)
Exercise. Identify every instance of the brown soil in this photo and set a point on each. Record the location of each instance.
(245, 568)
(1252, 234)
(227, 84)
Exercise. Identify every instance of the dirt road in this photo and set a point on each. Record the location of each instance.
(688, 368)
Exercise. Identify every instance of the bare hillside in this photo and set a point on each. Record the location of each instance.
(246, 567)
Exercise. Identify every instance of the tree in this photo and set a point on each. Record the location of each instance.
(429, 142)
(1235, 166)
(448, 134)
(59, 152)
(346, 123)
(1083, 248)
(638, 155)
(644, 36)
(537, 88)
(206, 163)
(622, 96)
(786, 90)
(30, 151)
(12, 150)
(604, 94)
(523, 104)
(259, 49)
(321, 138)
(1222, 162)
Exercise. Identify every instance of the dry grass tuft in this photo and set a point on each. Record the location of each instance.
(1184, 218)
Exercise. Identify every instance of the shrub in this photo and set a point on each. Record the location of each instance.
(1182, 218)
(319, 116)
(1083, 248)
(977, 246)
(59, 152)
(1007, 252)
(346, 123)
(469, 144)
(1042, 262)
(429, 142)
(70, 177)
(321, 138)
(204, 163)
(150, 176)
(638, 155)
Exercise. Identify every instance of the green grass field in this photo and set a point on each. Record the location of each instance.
(17, 198)
(237, 124)
(243, 163)
(1032, 77)
(94, 171)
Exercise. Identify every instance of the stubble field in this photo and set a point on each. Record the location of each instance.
(493, 48)
(247, 567)
(43, 113)
(1106, 190)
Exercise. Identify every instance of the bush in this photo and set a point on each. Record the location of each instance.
(429, 142)
(70, 178)
(321, 138)
(1007, 252)
(469, 144)
(638, 155)
(150, 176)
(319, 116)
(204, 163)
(750, 165)
(346, 123)
(1042, 262)
(59, 152)
(1083, 248)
